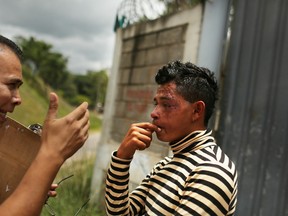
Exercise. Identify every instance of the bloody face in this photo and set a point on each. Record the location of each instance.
(172, 113)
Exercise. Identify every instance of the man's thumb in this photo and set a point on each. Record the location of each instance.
(53, 106)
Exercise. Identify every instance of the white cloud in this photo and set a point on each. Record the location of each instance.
(81, 30)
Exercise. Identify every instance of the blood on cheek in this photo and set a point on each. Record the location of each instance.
(166, 100)
(168, 107)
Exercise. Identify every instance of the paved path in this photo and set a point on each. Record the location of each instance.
(89, 148)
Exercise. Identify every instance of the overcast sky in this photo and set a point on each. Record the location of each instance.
(81, 30)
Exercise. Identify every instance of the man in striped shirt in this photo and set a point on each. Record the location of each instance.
(199, 179)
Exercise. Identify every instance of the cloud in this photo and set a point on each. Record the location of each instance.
(81, 30)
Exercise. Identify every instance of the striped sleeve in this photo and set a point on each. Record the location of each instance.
(209, 190)
(116, 192)
(117, 198)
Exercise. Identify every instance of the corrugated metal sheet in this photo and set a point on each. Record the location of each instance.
(254, 108)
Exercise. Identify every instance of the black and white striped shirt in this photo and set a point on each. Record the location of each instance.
(198, 180)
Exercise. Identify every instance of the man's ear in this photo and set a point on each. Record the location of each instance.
(198, 110)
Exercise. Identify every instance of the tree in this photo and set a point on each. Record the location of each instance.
(49, 65)
(92, 85)
(41, 61)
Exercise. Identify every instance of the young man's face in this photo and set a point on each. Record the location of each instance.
(10, 81)
(172, 114)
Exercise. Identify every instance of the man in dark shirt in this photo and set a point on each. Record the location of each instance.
(60, 138)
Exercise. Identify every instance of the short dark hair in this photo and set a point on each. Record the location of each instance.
(13, 46)
(193, 83)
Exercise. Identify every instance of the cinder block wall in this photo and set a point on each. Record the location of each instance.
(142, 55)
(140, 50)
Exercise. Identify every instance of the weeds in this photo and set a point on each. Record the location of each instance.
(73, 194)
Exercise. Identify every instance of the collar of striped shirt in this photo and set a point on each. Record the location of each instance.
(193, 141)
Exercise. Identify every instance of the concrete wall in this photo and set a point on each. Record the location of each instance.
(139, 52)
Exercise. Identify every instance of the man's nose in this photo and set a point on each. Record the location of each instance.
(17, 99)
(154, 114)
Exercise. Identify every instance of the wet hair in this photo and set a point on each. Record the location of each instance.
(12, 46)
(193, 83)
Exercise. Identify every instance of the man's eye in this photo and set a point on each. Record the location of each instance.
(166, 105)
(13, 85)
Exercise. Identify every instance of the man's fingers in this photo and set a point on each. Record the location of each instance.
(86, 118)
(53, 186)
(53, 106)
(52, 193)
(147, 126)
(79, 112)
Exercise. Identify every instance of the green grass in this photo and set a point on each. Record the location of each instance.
(74, 192)
(34, 108)
(95, 122)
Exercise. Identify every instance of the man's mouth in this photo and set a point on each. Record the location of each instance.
(159, 129)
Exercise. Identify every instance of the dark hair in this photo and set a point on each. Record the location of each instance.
(13, 46)
(193, 83)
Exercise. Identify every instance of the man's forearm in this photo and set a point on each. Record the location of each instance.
(31, 193)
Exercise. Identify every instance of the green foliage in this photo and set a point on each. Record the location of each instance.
(93, 85)
(40, 61)
(69, 90)
(34, 81)
(74, 192)
(79, 99)
(95, 121)
(50, 66)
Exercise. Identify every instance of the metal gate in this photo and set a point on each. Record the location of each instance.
(253, 126)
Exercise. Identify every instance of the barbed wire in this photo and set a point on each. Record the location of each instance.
(132, 11)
